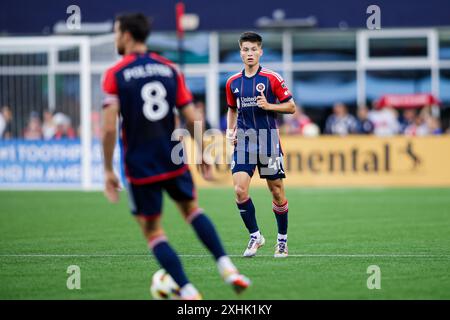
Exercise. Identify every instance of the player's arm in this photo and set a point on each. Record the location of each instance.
(281, 91)
(109, 133)
(109, 136)
(194, 119)
(285, 107)
(232, 113)
(232, 116)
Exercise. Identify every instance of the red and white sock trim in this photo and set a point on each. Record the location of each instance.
(154, 241)
(194, 214)
(280, 209)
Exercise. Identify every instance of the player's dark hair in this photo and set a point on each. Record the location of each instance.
(250, 36)
(137, 24)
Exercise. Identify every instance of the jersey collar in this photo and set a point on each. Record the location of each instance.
(136, 53)
(243, 73)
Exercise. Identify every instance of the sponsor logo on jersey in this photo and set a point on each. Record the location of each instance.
(248, 102)
(260, 87)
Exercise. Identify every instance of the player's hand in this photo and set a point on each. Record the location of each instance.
(206, 171)
(112, 187)
(231, 136)
(261, 101)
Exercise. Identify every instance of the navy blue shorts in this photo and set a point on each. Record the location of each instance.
(146, 200)
(269, 167)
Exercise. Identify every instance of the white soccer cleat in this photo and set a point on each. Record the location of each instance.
(189, 292)
(197, 296)
(253, 245)
(237, 281)
(281, 249)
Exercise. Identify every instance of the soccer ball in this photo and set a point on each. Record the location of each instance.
(163, 287)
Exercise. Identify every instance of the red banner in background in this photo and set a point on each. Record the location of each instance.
(179, 12)
(403, 101)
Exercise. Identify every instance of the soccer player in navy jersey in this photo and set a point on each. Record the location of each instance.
(142, 91)
(254, 97)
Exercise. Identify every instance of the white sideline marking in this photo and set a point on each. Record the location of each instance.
(231, 255)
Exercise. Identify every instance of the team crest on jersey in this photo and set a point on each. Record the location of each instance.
(260, 87)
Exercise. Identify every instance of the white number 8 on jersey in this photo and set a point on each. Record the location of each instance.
(154, 94)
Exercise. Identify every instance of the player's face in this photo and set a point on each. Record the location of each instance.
(250, 53)
(119, 39)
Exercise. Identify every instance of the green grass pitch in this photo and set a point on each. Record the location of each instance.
(334, 235)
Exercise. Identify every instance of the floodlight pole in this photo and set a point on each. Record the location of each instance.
(179, 12)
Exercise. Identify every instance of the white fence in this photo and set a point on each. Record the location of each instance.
(62, 74)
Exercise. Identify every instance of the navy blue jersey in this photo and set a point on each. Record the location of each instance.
(242, 92)
(148, 87)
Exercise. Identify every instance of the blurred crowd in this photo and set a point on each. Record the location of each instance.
(48, 126)
(6, 123)
(386, 121)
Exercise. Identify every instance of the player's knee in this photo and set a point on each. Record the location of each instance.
(187, 207)
(277, 193)
(154, 233)
(277, 196)
(151, 227)
(241, 193)
(193, 214)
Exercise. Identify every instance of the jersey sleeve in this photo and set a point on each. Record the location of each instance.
(280, 89)
(231, 101)
(109, 87)
(183, 94)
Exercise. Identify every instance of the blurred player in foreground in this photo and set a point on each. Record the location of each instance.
(252, 97)
(143, 89)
